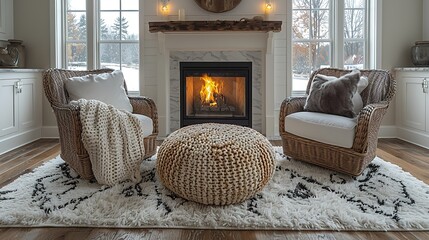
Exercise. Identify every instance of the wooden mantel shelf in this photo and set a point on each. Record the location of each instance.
(219, 25)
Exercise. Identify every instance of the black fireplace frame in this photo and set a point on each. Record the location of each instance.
(199, 68)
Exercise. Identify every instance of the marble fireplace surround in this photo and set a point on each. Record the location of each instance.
(255, 57)
(252, 46)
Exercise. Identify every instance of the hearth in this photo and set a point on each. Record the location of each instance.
(218, 92)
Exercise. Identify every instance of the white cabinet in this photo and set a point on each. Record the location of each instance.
(9, 107)
(6, 19)
(20, 107)
(412, 103)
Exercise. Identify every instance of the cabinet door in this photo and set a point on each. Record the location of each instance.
(8, 107)
(27, 104)
(427, 103)
(413, 103)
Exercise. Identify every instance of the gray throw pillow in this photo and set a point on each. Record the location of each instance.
(333, 95)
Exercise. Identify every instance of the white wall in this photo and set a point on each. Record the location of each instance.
(6, 26)
(31, 23)
(402, 26)
(425, 12)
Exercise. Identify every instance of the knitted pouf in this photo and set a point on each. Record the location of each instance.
(216, 164)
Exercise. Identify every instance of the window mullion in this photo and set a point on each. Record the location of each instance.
(289, 49)
(338, 32)
(311, 21)
(91, 36)
(372, 39)
(64, 34)
(120, 34)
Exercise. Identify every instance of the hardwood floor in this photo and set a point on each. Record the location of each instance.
(410, 157)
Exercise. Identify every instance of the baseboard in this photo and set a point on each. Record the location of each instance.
(20, 139)
(415, 137)
(274, 138)
(388, 131)
(50, 132)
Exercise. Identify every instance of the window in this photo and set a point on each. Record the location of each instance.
(75, 39)
(103, 34)
(354, 34)
(327, 33)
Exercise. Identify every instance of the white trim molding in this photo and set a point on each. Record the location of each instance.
(375, 33)
(415, 137)
(50, 132)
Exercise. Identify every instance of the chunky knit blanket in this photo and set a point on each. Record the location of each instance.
(114, 141)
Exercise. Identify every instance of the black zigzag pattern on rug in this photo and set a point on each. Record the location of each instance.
(367, 184)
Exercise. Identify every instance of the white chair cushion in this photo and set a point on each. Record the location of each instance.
(147, 124)
(105, 87)
(327, 128)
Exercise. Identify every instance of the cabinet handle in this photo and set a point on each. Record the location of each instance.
(18, 86)
(425, 85)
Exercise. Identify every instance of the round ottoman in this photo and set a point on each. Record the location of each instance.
(215, 164)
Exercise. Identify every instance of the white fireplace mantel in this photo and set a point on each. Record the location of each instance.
(214, 41)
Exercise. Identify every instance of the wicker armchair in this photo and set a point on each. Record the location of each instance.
(69, 126)
(376, 98)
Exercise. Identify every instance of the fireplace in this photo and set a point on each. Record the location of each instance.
(218, 92)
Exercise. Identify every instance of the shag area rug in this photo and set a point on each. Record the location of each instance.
(300, 196)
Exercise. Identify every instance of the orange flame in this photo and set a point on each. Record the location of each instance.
(209, 90)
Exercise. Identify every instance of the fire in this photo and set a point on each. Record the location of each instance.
(209, 91)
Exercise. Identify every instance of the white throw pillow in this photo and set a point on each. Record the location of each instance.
(362, 84)
(357, 98)
(105, 87)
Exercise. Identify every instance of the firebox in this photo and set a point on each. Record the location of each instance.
(218, 92)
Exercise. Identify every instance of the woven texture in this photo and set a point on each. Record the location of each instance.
(216, 164)
(114, 141)
(376, 98)
(69, 126)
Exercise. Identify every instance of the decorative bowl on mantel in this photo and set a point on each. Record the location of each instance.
(420, 53)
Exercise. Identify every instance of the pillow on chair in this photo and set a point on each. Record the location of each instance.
(339, 96)
(357, 99)
(105, 87)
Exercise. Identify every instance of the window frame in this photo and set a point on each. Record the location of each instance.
(64, 36)
(372, 41)
(93, 41)
(329, 39)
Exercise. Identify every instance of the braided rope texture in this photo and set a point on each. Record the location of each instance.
(114, 141)
(352, 161)
(69, 124)
(215, 164)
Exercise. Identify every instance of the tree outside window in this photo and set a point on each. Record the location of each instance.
(76, 46)
(313, 44)
(354, 33)
(116, 42)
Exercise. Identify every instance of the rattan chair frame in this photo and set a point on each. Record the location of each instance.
(69, 126)
(352, 161)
